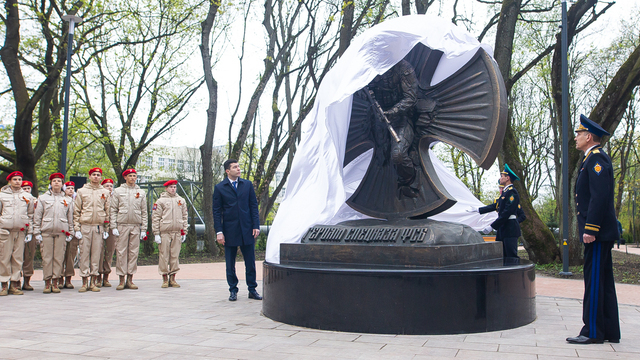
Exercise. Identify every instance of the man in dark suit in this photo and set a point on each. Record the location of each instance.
(598, 229)
(509, 216)
(236, 219)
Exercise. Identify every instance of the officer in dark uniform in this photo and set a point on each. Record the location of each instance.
(494, 207)
(598, 229)
(509, 216)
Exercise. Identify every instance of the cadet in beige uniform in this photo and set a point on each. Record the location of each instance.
(91, 223)
(129, 223)
(71, 250)
(169, 225)
(104, 267)
(52, 227)
(16, 217)
(29, 247)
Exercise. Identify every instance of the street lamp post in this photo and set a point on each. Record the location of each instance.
(72, 19)
(565, 145)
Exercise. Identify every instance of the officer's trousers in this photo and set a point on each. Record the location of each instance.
(600, 304)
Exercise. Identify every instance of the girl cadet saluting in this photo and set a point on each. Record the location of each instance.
(52, 227)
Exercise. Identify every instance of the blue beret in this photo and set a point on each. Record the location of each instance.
(507, 171)
(589, 125)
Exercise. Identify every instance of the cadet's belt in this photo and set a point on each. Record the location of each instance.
(513, 217)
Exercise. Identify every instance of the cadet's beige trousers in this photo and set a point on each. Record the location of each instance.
(169, 250)
(104, 267)
(127, 249)
(90, 249)
(52, 250)
(70, 256)
(11, 252)
(27, 259)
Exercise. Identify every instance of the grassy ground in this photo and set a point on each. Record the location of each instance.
(626, 268)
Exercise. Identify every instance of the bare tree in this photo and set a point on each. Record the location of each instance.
(143, 82)
(34, 65)
(206, 150)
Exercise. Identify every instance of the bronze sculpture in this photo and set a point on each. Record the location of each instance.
(466, 110)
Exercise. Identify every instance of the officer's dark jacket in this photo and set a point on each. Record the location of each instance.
(506, 205)
(235, 212)
(594, 197)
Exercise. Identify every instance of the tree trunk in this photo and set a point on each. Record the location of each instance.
(538, 239)
(206, 150)
(406, 7)
(423, 5)
(347, 22)
(574, 14)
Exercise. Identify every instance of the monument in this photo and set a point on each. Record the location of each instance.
(400, 272)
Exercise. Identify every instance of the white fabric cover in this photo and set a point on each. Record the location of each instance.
(318, 186)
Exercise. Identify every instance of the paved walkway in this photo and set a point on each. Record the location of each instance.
(197, 322)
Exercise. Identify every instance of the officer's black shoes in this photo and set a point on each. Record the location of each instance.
(254, 295)
(581, 339)
(233, 296)
(614, 341)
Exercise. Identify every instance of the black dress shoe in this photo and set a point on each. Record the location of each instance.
(581, 339)
(233, 296)
(254, 295)
(614, 341)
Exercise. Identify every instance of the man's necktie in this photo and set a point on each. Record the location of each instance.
(235, 184)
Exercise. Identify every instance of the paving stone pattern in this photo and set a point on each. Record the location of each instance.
(197, 321)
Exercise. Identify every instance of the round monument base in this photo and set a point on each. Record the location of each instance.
(399, 300)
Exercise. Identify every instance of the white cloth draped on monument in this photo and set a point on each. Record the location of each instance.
(318, 186)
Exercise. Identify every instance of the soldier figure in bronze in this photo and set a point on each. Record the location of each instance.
(396, 92)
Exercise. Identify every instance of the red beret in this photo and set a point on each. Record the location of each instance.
(56, 175)
(70, 183)
(171, 182)
(128, 171)
(106, 181)
(94, 170)
(15, 173)
(27, 183)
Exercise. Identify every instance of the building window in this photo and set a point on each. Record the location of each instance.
(181, 165)
(149, 162)
(172, 164)
(161, 163)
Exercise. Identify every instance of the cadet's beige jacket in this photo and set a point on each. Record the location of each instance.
(16, 210)
(91, 207)
(53, 214)
(169, 214)
(128, 207)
